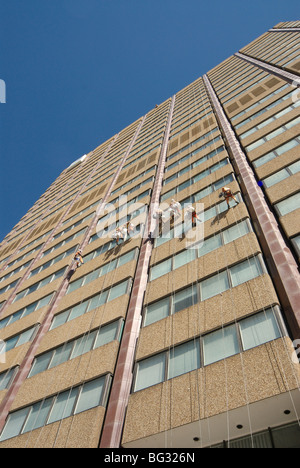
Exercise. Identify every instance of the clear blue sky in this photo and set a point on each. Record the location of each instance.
(78, 71)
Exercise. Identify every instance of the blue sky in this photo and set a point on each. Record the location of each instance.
(79, 71)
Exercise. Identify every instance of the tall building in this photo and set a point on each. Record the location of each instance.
(175, 335)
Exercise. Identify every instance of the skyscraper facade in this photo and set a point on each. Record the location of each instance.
(181, 326)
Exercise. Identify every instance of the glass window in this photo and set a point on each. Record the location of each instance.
(161, 269)
(127, 258)
(60, 319)
(286, 147)
(41, 363)
(276, 178)
(245, 271)
(220, 344)
(5, 378)
(185, 298)
(63, 406)
(184, 257)
(90, 395)
(14, 424)
(61, 354)
(45, 301)
(83, 344)
(236, 231)
(118, 290)
(74, 285)
(259, 329)
(97, 301)
(184, 358)
(38, 415)
(295, 167)
(209, 245)
(289, 204)
(151, 371)
(157, 311)
(107, 334)
(215, 285)
(25, 336)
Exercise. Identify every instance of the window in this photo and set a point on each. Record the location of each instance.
(40, 284)
(65, 404)
(20, 339)
(245, 271)
(205, 289)
(214, 285)
(277, 152)
(7, 377)
(184, 358)
(220, 344)
(216, 345)
(157, 311)
(112, 265)
(150, 371)
(91, 303)
(259, 329)
(296, 244)
(288, 205)
(282, 174)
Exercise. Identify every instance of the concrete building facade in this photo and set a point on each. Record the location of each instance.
(177, 332)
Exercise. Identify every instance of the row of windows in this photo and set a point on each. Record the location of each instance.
(26, 311)
(210, 244)
(190, 121)
(63, 405)
(40, 284)
(245, 74)
(212, 212)
(195, 142)
(72, 226)
(274, 133)
(197, 178)
(256, 104)
(252, 80)
(259, 113)
(65, 241)
(53, 261)
(92, 303)
(204, 158)
(277, 152)
(288, 205)
(140, 176)
(192, 166)
(204, 289)
(9, 286)
(284, 173)
(17, 260)
(212, 347)
(74, 348)
(20, 338)
(103, 270)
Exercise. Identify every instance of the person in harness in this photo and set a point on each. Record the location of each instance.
(228, 195)
(78, 258)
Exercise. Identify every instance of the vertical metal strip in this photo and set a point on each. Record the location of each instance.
(283, 74)
(286, 277)
(117, 404)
